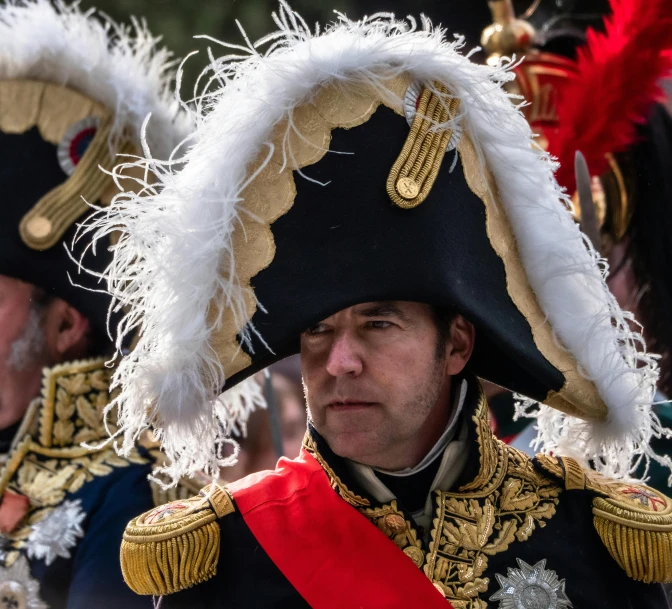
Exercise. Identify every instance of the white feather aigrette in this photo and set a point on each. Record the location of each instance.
(177, 234)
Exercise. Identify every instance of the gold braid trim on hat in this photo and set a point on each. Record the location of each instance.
(299, 141)
(634, 521)
(175, 546)
(578, 396)
(25, 104)
(414, 172)
(44, 225)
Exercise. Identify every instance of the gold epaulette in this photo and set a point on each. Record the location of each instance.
(633, 521)
(175, 546)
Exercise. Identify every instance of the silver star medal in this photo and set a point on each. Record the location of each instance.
(531, 588)
(18, 589)
(57, 533)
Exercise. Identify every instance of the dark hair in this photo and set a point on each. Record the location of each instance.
(40, 299)
(443, 318)
(98, 343)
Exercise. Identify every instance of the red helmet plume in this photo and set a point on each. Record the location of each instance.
(614, 86)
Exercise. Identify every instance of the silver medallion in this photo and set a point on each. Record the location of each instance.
(18, 589)
(57, 533)
(531, 588)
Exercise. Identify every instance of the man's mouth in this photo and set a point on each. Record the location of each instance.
(349, 404)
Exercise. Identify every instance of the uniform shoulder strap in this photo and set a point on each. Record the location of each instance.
(634, 521)
(176, 545)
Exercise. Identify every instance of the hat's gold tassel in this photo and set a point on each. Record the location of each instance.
(414, 172)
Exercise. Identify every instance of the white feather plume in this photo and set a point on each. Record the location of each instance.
(177, 237)
(119, 66)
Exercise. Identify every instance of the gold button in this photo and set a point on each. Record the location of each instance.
(407, 188)
(39, 227)
(395, 523)
(416, 555)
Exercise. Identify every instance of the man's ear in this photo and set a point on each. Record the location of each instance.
(460, 346)
(66, 331)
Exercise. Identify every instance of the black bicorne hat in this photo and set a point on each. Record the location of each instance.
(372, 162)
(344, 242)
(74, 92)
(41, 144)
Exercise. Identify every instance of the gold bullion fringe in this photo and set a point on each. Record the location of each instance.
(173, 564)
(642, 549)
(414, 172)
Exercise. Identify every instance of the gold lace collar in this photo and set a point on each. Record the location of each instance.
(74, 396)
(499, 501)
(47, 463)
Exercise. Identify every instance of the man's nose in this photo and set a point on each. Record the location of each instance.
(344, 357)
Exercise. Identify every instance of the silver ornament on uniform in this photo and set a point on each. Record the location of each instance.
(531, 587)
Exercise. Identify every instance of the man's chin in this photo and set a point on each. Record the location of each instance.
(355, 445)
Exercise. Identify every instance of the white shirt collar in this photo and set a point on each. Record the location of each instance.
(452, 461)
(441, 443)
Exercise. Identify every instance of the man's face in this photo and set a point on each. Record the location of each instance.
(377, 388)
(21, 355)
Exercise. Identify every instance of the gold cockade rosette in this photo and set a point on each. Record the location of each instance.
(53, 110)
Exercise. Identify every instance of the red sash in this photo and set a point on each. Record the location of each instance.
(332, 555)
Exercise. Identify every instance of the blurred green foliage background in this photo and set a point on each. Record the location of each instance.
(177, 21)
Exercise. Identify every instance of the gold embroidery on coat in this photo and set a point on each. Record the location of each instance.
(550, 464)
(336, 483)
(505, 503)
(392, 522)
(47, 469)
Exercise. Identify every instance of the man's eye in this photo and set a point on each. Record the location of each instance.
(316, 329)
(379, 324)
